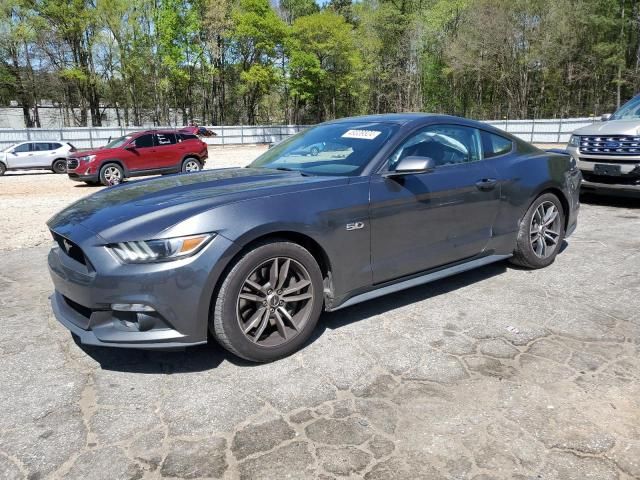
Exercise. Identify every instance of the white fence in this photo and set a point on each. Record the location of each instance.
(536, 131)
(90, 137)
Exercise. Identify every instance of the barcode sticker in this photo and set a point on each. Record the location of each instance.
(361, 134)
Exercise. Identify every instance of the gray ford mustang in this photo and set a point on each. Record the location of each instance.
(254, 255)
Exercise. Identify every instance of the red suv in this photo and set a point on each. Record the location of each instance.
(142, 153)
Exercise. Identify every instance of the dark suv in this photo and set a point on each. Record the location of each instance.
(143, 153)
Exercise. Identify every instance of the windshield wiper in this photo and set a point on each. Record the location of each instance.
(286, 169)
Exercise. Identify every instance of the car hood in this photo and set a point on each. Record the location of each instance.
(95, 151)
(117, 213)
(612, 127)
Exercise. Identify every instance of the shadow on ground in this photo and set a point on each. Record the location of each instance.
(610, 201)
(209, 356)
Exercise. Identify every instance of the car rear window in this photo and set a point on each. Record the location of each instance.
(494, 145)
(165, 138)
(187, 136)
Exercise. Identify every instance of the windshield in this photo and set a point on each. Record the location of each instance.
(330, 149)
(118, 142)
(629, 111)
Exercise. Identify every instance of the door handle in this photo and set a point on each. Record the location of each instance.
(486, 184)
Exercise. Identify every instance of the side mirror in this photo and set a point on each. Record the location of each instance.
(605, 117)
(413, 164)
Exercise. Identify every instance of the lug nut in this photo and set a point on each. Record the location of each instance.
(279, 292)
(269, 291)
(264, 303)
(272, 309)
(281, 302)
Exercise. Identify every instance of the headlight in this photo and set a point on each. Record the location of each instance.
(574, 141)
(87, 158)
(162, 250)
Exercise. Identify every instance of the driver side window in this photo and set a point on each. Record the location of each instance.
(445, 144)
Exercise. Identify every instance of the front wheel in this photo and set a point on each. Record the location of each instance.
(541, 233)
(191, 165)
(111, 174)
(3, 168)
(59, 166)
(269, 303)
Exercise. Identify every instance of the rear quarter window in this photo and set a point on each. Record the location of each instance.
(495, 145)
(188, 136)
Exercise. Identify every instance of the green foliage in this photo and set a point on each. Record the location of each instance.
(174, 61)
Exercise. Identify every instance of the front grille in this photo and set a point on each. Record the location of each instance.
(70, 248)
(72, 163)
(610, 145)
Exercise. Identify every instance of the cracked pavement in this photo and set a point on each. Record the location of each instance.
(499, 373)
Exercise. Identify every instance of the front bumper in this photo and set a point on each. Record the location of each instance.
(77, 177)
(627, 183)
(179, 293)
(611, 188)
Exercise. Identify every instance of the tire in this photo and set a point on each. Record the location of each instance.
(111, 174)
(191, 165)
(236, 322)
(59, 166)
(539, 241)
(315, 151)
(3, 168)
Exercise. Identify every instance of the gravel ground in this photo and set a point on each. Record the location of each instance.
(29, 198)
(496, 374)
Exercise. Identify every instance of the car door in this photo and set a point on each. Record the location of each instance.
(24, 155)
(424, 220)
(44, 154)
(167, 151)
(142, 153)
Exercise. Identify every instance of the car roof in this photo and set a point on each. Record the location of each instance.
(417, 119)
(399, 118)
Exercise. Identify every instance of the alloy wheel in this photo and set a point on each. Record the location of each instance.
(112, 176)
(275, 302)
(191, 166)
(545, 229)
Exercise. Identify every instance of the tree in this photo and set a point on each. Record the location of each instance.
(255, 38)
(325, 65)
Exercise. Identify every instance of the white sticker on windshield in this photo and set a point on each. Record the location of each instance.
(361, 134)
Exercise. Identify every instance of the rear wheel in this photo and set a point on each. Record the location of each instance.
(3, 168)
(191, 165)
(541, 233)
(111, 174)
(269, 303)
(59, 166)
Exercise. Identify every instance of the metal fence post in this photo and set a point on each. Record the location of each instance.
(222, 134)
(28, 134)
(241, 134)
(90, 139)
(533, 129)
(559, 130)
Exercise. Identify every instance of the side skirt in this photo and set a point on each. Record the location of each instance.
(421, 280)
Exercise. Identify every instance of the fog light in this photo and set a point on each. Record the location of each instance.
(131, 307)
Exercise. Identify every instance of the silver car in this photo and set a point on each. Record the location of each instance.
(608, 152)
(49, 155)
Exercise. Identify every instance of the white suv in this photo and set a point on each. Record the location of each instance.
(36, 155)
(608, 152)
